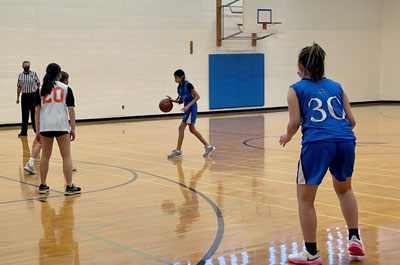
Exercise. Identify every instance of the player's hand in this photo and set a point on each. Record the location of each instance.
(72, 135)
(172, 100)
(185, 109)
(17, 101)
(38, 138)
(284, 140)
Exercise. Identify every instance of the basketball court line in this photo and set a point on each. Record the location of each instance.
(293, 210)
(319, 214)
(382, 113)
(220, 219)
(215, 244)
(286, 151)
(263, 179)
(245, 167)
(228, 174)
(375, 168)
(330, 190)
(134, 177)
(116, 244)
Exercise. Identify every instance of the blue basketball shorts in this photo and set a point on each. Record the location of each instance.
(190, 115)
(317, 157)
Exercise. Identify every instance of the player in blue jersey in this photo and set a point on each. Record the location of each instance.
(322, 109)
(189, 96)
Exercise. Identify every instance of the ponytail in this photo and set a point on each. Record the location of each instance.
(47, 86)
(313, 60)
(52, 72)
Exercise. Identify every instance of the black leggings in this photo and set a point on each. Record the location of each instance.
(27, 105)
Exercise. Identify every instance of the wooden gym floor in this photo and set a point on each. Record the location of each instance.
(239, 207)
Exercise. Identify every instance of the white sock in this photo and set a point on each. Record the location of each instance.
(31, 161)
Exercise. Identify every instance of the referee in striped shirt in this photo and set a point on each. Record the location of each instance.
(28, 83)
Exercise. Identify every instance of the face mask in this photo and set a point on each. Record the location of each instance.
(26, 68)
(177, 80)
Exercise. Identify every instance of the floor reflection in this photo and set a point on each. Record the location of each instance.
(188, 210)
(58, 245)
(334, 252)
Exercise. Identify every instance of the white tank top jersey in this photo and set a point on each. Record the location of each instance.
(53, 110)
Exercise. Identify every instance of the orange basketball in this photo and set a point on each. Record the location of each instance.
(165, 105)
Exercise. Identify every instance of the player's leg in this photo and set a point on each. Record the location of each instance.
(313, 164)
(191, 121)
(64, 144)
(342, 170)
(196, 133)
(308, 222)
(181, 133)
(47, 147)
(30, 166)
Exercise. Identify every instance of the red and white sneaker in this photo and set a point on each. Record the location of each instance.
(356, 247)
(305, 258)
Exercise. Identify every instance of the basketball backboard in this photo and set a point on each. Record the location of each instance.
(263, 15)
(249, 19)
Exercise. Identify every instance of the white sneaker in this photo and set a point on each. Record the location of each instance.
(209, 149)
(305, 258)
(356, 247)
(175, 153)
(74, 169)
(30, 169)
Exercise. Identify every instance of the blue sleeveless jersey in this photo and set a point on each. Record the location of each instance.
(322, 113)
(185, 95)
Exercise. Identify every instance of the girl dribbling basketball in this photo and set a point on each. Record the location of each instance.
(189, 96)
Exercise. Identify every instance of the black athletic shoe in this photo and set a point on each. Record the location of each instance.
(43, 189)
(72, 190)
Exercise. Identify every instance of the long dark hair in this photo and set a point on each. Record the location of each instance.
(52, 72)
(313, 60)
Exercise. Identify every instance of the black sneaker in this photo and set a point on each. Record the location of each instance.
(72, 190)
(43, 189)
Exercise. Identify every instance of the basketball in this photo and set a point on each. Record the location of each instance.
(168, 207)
(165, 105)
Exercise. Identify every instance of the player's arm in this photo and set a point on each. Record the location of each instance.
(347, 109)
(71, 112)
(18, 93)
(37, 122)
(196, 97)
(37, 115)
(19, 88)
(37, 80)
(294, 117)
(173, 100)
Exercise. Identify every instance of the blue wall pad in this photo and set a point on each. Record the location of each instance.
(236, 80)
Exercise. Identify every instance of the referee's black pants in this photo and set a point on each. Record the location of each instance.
(27, 105)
